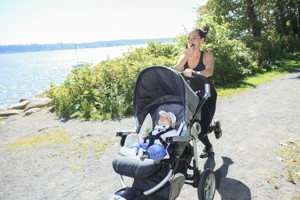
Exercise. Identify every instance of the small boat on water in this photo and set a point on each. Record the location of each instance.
(78, 64)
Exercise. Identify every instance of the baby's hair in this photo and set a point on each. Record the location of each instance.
(202, 33)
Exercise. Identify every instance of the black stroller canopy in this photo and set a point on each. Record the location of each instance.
(155, 83)
(158, 85)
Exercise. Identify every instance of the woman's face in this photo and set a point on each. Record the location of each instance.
(194, 39)
(164, 119)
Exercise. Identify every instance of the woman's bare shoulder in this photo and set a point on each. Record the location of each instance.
(208, 54)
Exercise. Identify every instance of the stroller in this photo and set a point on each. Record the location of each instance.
(161, 88)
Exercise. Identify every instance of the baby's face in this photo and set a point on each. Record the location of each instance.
(164, 119)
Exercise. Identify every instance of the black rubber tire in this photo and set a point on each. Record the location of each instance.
(207, 185)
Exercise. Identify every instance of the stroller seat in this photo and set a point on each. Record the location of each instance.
(137, 167)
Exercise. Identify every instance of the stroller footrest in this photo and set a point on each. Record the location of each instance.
(134, 167)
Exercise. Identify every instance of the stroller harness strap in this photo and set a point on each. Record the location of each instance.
(157, 136)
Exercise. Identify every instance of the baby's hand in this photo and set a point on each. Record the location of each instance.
(143, 135)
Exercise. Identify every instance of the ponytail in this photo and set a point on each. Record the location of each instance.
(206, 29)
(202, 33)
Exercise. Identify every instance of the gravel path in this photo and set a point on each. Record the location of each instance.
(245, 162)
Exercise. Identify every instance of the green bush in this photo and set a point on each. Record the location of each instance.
(269, 50)
(106, 90)
(233, 61)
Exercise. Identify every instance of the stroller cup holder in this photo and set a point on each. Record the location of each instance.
(196, 129)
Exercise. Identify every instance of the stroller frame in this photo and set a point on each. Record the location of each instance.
(204, 181)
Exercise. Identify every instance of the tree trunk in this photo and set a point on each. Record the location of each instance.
(281, 22)
(295, 27)
(253, 21)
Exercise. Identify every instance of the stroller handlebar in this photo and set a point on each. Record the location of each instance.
(201, 86)
(203, 79)
(207, 91)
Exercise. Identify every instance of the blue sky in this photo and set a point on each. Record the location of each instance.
(54, 21)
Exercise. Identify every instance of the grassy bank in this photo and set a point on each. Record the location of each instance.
(289, 65)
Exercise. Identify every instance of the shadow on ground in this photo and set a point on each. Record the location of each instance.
(227, 188)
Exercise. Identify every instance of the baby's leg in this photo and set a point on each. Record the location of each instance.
(156, 150)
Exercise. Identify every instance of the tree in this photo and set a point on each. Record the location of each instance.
(241, 16)
(254, 17)
(280, 17)
(254, 23)
(269, 28)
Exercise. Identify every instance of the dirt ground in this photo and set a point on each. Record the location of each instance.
(246, 164)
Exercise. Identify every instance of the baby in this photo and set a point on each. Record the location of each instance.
(166, 121)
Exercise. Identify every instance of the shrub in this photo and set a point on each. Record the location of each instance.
(106, 90)
(269, 50)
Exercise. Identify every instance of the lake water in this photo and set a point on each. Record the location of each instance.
(23, 75)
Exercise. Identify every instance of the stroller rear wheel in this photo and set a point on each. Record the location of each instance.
(207, 185)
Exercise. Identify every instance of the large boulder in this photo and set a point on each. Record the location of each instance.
(2, 108)
(38, 103)
(20, 105)
(31, 111)
(6, 113)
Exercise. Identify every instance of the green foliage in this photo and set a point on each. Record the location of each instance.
(233, 60)
(289, 64)
(254, 17)
(106, 90)
(242, 41)
(268, 51)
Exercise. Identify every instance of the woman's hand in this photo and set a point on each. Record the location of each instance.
(188, 72)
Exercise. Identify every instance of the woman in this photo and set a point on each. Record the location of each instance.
(196, 61)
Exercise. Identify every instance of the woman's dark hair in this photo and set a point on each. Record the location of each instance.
(202, 33)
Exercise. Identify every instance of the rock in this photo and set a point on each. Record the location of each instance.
(25, 105)
(2, 108)
(7, 113)
(31, 111)
(20, 105)
(24, 99)
(38, 103)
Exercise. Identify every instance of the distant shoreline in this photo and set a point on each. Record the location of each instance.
(20, 48)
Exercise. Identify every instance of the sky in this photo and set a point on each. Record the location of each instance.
(77, 21)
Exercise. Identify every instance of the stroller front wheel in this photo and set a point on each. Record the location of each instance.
(207, 185)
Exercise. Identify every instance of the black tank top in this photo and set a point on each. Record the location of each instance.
(200, 66)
